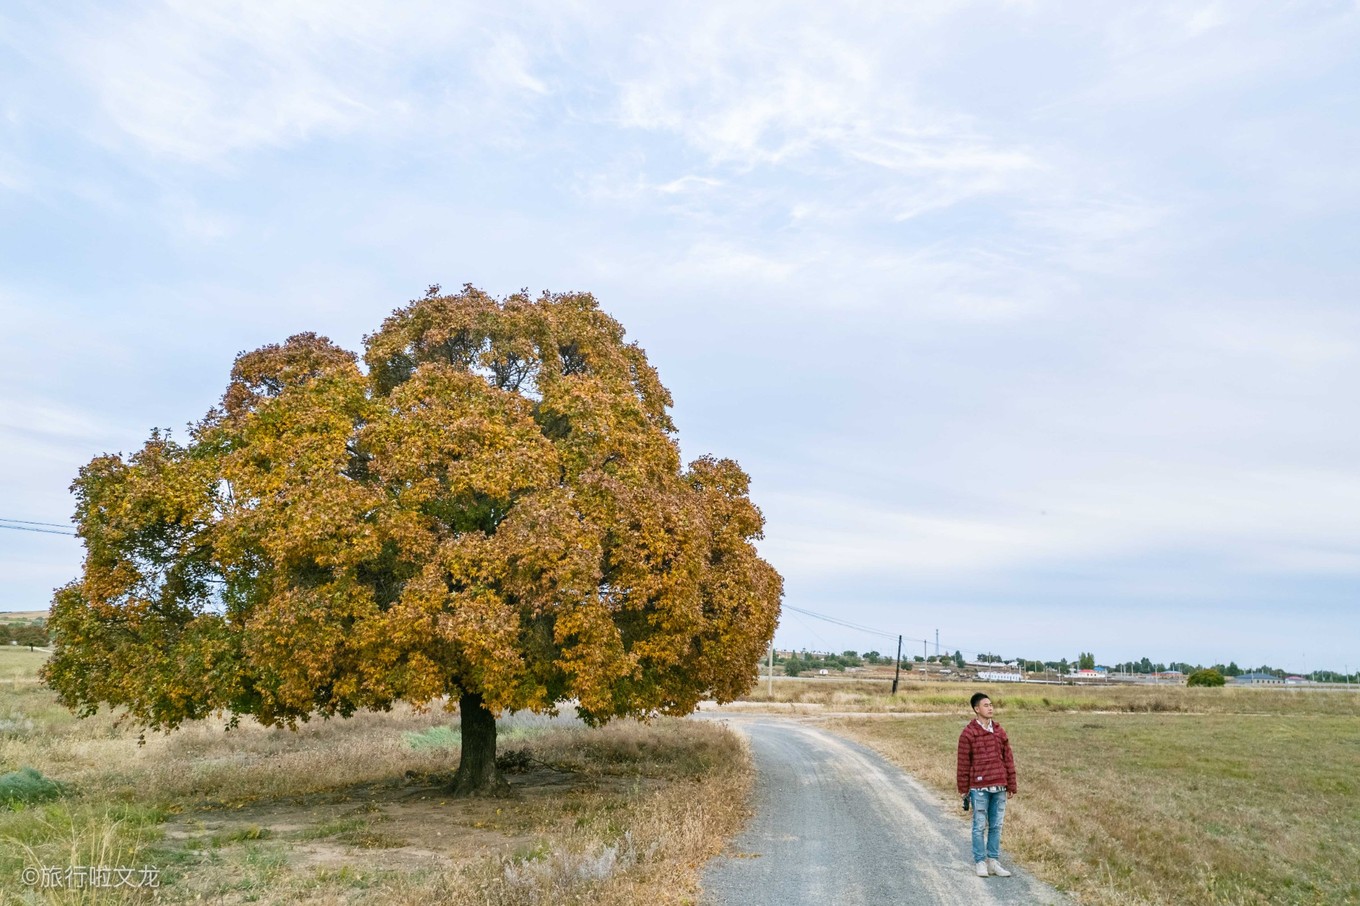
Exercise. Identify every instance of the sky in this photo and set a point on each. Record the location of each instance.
(1035, 324)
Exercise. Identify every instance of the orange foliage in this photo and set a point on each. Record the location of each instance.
(495, 506)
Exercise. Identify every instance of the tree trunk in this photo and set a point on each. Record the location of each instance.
(477, 774)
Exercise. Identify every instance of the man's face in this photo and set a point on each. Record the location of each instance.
(984, 709)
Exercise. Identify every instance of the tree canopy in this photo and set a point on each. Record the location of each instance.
(492, 508)
(1206, 677)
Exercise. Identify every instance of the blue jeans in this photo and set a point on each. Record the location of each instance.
(989, 813)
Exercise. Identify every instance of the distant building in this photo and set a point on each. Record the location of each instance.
(1257, 679)
(1000, 676)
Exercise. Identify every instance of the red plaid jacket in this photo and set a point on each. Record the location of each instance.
(985, 759)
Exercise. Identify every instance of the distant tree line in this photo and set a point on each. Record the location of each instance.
(801, 662)
(30, 633)
(805, 661)
(1229, 669)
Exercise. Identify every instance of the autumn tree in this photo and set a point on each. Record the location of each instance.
(489, 512)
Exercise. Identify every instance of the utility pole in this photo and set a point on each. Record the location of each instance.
(898, 672)
(937, 644)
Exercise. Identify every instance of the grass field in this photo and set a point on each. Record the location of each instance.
(1170, 796)
(935, 697)
(354, 811)
(19, 666)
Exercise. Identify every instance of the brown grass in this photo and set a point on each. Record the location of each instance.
(1144, 808)
(644, 848)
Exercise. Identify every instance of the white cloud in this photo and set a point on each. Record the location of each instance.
(748, 88)
(11, 175)
(56, 421)
(1106, 233)
(1296, 338)
(201, 81)
(1252, 522)
(1174, 52)
(689, 184)
(506, 61)
(186, 217)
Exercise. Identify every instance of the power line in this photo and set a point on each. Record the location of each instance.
(27, 525)
(45, 531)
(839, 622)
(61, 525)
(860, 628)
(813, 631)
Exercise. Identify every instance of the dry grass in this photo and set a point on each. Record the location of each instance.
(936, 697)
(1145, 808)
(354, 811)
(689, 784)
(19, 668)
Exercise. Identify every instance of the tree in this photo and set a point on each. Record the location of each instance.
(30, 634)
(1208, 677)
(958, 659)
(1086, 661)
(493, 511)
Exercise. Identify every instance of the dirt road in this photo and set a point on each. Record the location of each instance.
(836, 823)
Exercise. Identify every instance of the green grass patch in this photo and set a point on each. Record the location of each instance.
(65, 833)
(26, 786)
(241, 835)
(433, 738)
(334, 828)
(451, 738)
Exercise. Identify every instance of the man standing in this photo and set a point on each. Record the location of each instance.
(986, 775)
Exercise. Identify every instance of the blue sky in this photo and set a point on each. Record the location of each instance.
(1034, 323)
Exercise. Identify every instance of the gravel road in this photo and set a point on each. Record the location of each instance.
(837, 824)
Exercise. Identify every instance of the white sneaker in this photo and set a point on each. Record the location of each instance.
(996, 869)
(982, 869)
